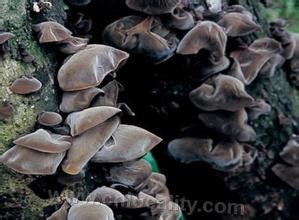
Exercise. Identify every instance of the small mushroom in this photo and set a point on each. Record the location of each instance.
(155, 7)
(258, 108)
(88, 67)
(27, 161)
(110, 96)
(90, 211)
(238, 25)
(132, 174)
(235, 71)
(288, 174)
(6, 110)
(294, 62)
(225, 93)
(179, 19)
(145, 37)
(26, 85)
(239, 9)
(290, 152)
(49, 118)
(107, 196)
(232, 124)
(60, 214)
(80, 122)
(50, 32)
(129, 143)
(72, 45)
(78, 100)
(210, 37)
(45, 141)
(5, 36)
(78, 2)
(86, 145)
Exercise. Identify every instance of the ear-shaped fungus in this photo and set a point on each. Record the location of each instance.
(146, 37)
(155, 7)
(129, 143)
(288, 174)
(5, 36)
(294, 62)
(26, 85)
(179, 19)
(80, 122)
(232, 124)
(60, 214)
(49, 118)
(239, 9)
(210, 37)
(72, 45)
(78, 100)
(258, 108)
(290, 152)
(6, 110)
(45, 141)
(225, 93)
(90, 211)
(142, 200)
(27, 161)
(50, 32)
(106, 195)
(85, 146)
(110, 96)
(238, 25)
(87, 68)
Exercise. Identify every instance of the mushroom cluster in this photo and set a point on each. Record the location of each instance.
(88, 130)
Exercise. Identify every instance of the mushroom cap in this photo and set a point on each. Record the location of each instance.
(238, 24)
(155, 7)
(133, 173)
(49, 118)
(50, 32)
(90, 211)
(78, 100)
(45, 141)
(272, 65)
(110, 96)
(69, 180)
(26, 85)
(268, 44)
(146, 37)
(106, 195)
(78, 2)
(236, 71)
(27, 161)
(61, 213)
(240, 9)
(232, 124)
(80, 122)
(294, 62)
(288, 174)
(5, 36)
(290, 152)
(88, 67)
(86, 145)
(225, 93)
(179, 19)
(73, 45)
(258, 108)
(6, 110)
(142, 200)
(129, 143)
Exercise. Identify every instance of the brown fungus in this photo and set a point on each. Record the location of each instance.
(288, 174)
(155, 7)
(290, 152)
(6, 110)
(50, 32)
(5, 36)
(128, 143)
(239, 9)
(210, 37)
(45, 141)
(145, 37)
(88, 67)
(70, 180)
(107, 196)
(110, 96)
(49, 118)
(78, 100)
(179, 19)
(27, 161)
(224, 93)
(86, 145)
(26, 85)
(142, 200)
(258, 108)
(80, 122)
(60, 214)
(238, 25)
(294, 62)
(232, 124)
(91, 211)
(72, 45)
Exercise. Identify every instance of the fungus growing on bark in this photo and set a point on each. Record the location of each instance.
(26, 85)
(107, 196)
(110, 96)
(258, 108)
(289, 174)
(4, 38)
(49, 118)
(72, 45)
(294, 62)
(290, 153)
(60, 214)
(6, 110)
(179, 19)
(51, 32)
(88, 67)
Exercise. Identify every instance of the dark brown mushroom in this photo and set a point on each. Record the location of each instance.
(239, 9)
(45, 141)
(60, 214)
(110, 96)
(49, 118)
(50, 32)
(145, 37)
(179, 19)
(288, 174)
(236, 71)
(86, 145)
(26, 85)
(70, 180)
(223, 93)
(88, 67)
(80, 122)
(155, 7)
(72, 45)
(128, 143)
(6, 110)
(142, 200)
(258, 108)
(107, 196)
(290, 152)
(27, 161)
(232, 124)
(294, 62)
(5, 36)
